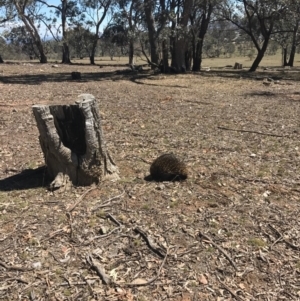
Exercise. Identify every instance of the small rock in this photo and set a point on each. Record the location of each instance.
(103, 230)
(37, 265)
(160, 187)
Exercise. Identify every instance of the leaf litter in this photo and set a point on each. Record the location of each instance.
(230, 232)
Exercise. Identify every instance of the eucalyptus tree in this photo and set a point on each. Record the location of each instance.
(257, 18)
(96, 11)
(130, 13)
(27, 10)
(68, 11)
(180, 12)
(287, 32)
(7, 13)
(21, 39)
(200, 17)
(157, 17)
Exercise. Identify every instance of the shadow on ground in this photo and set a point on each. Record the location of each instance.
(27, 179)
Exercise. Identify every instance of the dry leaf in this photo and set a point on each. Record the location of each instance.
(202, 279)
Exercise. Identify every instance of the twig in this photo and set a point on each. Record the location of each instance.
(253, 132)
(98, 268)
(53, 234)
(151, 280)
(113, 219)
(157, 250)
(230, 291)
(209, 240)
(80, 199)
(105, 204)
(283, 239)
(14, 268)
(101, 236)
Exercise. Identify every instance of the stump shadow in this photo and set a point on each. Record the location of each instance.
(27, 179)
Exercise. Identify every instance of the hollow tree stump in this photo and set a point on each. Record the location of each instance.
(72, 141)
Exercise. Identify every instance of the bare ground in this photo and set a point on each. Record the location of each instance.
(230, 232)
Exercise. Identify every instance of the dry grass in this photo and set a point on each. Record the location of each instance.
(240, 140)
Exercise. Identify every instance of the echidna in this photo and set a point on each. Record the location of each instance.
(168, 167)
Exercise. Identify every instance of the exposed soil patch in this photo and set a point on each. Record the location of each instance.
(230, 232)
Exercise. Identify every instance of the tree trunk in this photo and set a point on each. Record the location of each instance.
(66, 54)
(292, 56)
(294, 45)
(165, 57)
(197, 59)
(180, 46)
(151, 32)
(1, 60)
(93, 51)
(178, 56)
(131, 51)
(72, 141)
(284, 56)
(260, 55)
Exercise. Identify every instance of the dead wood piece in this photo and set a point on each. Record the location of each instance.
(73, 143)
(76, 75)
(281, 238)
(209, 240)
(98, 268)
(156, 249)
(230, 291)
(108, 202)
(80, 199)
(53, 234)
(151, 280)
(101, 236)
(14, 268)
(114, 219)
(253, 132)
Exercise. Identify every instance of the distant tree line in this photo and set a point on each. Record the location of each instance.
(173, 35)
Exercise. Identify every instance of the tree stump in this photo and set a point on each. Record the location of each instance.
(72, 141)
(76, 75)
(238, 66)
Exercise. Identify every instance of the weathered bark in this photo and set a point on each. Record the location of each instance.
(180, 44)
(260, 54)
(152, 34)
(131, 51)
(284, 56)
(72, 141)
(93, 51)
(198, 48)
(66, 54)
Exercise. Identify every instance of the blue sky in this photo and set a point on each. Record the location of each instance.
(43, 30)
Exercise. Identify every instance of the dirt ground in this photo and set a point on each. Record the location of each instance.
(230, 232)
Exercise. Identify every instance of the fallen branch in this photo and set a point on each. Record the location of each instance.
(101, 236)
(283, 239)
(253, 132)
(98, 268)
(209, 240)
(106, 203)
(151, 280)
(14, 267)
(51, 235)
(80, 199)
(113, 219)
(230, 291)
(156, 249)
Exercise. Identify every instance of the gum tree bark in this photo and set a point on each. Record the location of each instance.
(73, 144)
